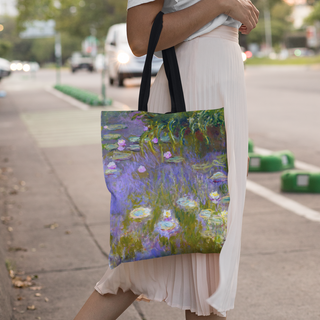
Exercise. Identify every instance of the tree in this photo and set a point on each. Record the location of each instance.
(12, 47)
(314, 15)
(5, 47)
(76, 18)
(281, 22)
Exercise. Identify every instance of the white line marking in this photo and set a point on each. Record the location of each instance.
(298, 164)
(283, 202)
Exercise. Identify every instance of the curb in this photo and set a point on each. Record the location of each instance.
(80, 105)
(5, 288)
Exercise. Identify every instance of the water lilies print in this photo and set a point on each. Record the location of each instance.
(168, 179)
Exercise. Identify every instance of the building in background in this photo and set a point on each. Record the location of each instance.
(8, 8)
(300, 11)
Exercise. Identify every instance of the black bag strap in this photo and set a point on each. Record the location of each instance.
(171, 68)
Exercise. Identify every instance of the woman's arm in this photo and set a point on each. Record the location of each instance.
(177, 26)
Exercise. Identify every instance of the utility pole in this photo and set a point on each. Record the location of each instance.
(267, 26)
(57, 51)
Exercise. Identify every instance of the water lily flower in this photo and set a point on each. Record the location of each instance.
(111, 165)
(214, 197)
(120, 148)
(155, 140)
(187, 203)
(167, 213)
(142, 169)
(224, 213)
(145, 128)
(121, 142)
(167, 155)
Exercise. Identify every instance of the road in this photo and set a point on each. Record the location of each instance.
(55, 148)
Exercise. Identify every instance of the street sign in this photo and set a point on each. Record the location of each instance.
(38, 29)
(90, 46)
(313, 36)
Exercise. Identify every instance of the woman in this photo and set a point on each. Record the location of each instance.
(205, 36)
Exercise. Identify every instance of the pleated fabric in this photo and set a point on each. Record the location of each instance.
(212, 76)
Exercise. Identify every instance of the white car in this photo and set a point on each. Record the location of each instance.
(4, 68)
(121, 62)
(24, 66)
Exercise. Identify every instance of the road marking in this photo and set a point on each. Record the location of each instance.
(298, 164)
(64, 127)
(283, 202)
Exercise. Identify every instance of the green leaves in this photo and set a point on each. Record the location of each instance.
(77, 18)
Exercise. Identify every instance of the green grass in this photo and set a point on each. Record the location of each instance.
(82, 95)
(288, 61)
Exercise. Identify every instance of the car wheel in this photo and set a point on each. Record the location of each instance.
(73, 70)
(120, 80)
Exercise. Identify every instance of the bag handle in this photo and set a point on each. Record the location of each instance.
(171, 68)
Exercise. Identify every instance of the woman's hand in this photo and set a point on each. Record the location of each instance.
(243, 11)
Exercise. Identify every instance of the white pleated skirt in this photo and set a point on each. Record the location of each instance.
(212, 76)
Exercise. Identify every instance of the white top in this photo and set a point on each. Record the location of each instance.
(176, 5)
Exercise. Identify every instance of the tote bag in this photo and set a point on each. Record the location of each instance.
(166, 172)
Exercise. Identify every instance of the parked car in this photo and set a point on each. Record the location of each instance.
(4, 68)
(25, 66)
(81, 61)
(121, 62)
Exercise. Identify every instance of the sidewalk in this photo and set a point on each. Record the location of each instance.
(55, 213)
(54, 233)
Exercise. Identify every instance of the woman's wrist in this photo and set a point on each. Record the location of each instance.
(223, 5)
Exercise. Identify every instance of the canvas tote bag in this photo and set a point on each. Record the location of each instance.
(166, 172)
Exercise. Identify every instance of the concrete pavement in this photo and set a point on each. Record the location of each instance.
(55, 229)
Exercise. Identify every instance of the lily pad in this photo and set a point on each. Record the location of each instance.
(216, 220)
(109, 172)
(146, 139)
(121, 155)
(206, 213)
(134, 147)
(218, 177)
(175, 159)
(140, 213)
(218, 163)
(165, 139)
(134, 139)
(208, 234)
(187, 203)
(115, 126)
(202, 166)
(167, 225)
(111, 136)
(110, 146)
(225, 199)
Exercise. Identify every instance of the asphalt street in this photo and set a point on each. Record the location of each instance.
(54, 205)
